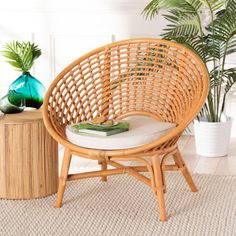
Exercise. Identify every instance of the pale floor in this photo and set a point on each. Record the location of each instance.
(196, 164)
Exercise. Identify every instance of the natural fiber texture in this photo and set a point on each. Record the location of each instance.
(124, 206)
(152, 77)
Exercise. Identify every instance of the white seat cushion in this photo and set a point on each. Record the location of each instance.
(143, 130)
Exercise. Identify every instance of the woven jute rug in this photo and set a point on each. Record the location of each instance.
(124, 206)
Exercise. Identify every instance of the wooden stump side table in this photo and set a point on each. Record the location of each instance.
(28, 157)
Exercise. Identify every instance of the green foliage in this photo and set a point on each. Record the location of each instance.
(213, 41)
(231, 5)
(21, 55)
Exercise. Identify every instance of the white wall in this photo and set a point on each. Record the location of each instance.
(64, 30)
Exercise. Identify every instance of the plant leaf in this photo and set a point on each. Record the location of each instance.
(21, 55)
(154, 6)
(230, 75)
(231, 5)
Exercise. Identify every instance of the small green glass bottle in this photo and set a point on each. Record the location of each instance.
(16, 106)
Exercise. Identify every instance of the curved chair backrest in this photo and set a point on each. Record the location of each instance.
(136, 76)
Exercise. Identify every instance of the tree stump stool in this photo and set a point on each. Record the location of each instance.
(28, 157)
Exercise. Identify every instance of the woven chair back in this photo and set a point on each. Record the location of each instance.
(146, 76)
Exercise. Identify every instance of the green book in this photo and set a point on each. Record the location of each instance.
(87, 128)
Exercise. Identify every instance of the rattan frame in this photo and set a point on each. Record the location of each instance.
(145, 76)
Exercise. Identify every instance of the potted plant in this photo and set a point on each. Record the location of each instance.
(27, 88)
(208, 27)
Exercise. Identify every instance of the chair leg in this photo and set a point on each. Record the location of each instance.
(163, 181)
(63, 177)
(103, 167)
(180, 163)
(159, 186)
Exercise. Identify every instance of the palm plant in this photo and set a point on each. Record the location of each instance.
(21, 55)
(213, 40)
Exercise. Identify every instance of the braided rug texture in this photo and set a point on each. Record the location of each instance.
(125, 206)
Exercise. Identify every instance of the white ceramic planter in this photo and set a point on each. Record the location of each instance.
(212, 138)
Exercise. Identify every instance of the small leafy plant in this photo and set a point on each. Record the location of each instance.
(21, 55)
(212, 37)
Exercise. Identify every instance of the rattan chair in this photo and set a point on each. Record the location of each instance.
(149, 77)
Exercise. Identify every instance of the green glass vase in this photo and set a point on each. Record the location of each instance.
(32, 90)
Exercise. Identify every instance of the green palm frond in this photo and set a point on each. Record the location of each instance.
(154, 6)
(224, 26)
(21, 55)
(231, 5)
(215, 80)
(231, 48)
(182, 24)
(215, 5)
(230, 77)
(200, 45)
